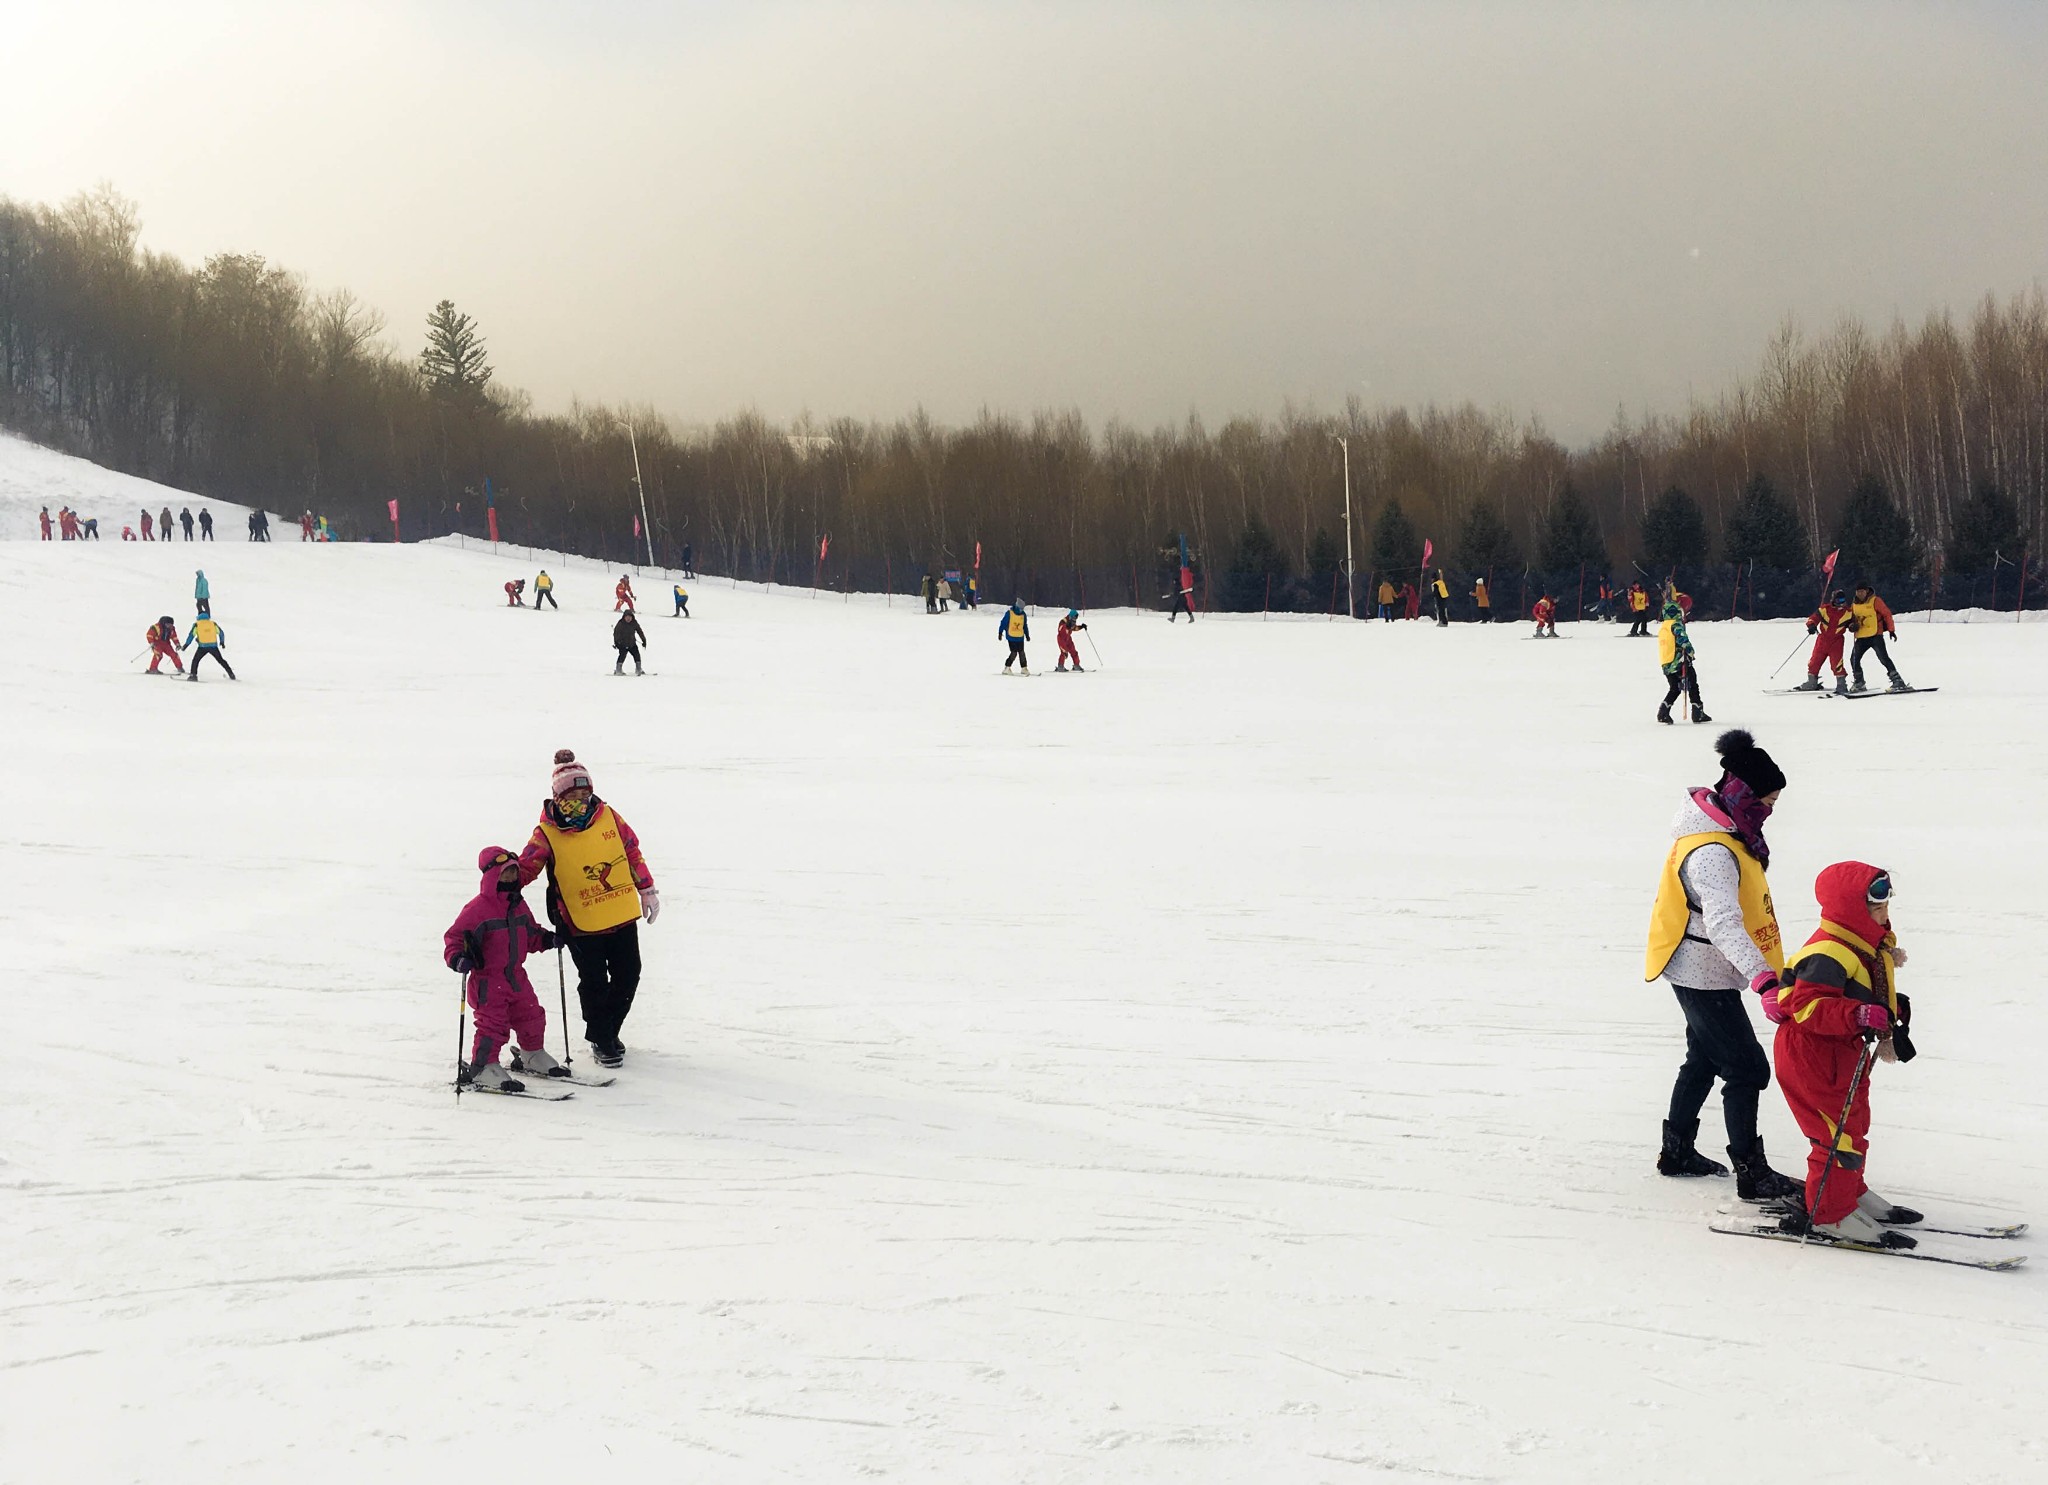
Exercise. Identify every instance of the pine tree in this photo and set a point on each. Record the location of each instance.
(1987, 527)
(1484, 542)
(1256, 560)
(1875, 538)
(1325, 557)
(1765, 530)
(1570, 534)
(1674, 532)
(453, 364)
(1396, 546)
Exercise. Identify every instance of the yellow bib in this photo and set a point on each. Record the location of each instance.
(1866, 618)
(544, 581)
(1667, 642)
(591, 875)
(1016, 626)
(1668, 918)
(206, 632)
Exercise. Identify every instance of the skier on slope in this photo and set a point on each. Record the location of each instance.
(185, 520)
(1828, 624)
(682, 603)
(1440, 596)
(1016, 628)
(1545, 615)
(1713, 932)
(1185, 599)
(627, 637)
(1065, 635)
(205, 524)
(1638, 610)
(1386, 597)
(599, 889)
(43, 519)
(202, 593)
(544, 592)
(211, 639)
(487, 944)
(1411, 602)
(1873, 619)
(1842, 999)
(148, 526)
(163, 645)
(1680, 665)
(1483, 599)
(623, 593)
(164, 524)
(514, 593)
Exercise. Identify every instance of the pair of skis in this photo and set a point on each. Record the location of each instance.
(1771, 1224)
(557, 1088)
(1858, 695)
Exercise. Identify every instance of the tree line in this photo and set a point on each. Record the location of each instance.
(1922, 454)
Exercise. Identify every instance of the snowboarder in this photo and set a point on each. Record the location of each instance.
(627, 637)
(1545, 615)
(1440, 593)
(202, 593)
(599, 889)
(43, 519)
(211, 639)
(544, 592)
(515, 592)
(205, 524)
(1841, 1007)
(1639, 610)
(1065, 636)
(185, 520)
(1016, 628)
(1828, 624)
(1713, 933)
(163, 645)
(1484, 599)
(682, 603)
(487, 944)
(623, 592)
(1873, 619)
(1675, 655)
(1386, 596)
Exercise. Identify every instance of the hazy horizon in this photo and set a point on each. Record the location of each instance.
(1136, 210)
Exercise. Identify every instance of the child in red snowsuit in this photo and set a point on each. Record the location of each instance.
(163, 645)
(1829, 625)
(1545, 613)
(1841, 1009)
(488, 943)
(513, 590)
(1065, 635)
(624, 594)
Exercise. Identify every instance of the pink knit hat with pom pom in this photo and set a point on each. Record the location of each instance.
(569, 774)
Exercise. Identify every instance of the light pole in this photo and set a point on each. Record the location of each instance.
(646, 527)
(1350, 577)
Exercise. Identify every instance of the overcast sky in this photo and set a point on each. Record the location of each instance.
(1135, 209)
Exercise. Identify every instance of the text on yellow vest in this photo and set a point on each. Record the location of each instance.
(1866, 618)
(1669, 917)
(1016, 625)
(591, 875)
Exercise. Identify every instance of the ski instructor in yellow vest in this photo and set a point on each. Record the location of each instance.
(599, 888)
(1713, 934)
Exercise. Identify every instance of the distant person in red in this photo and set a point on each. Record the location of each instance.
(148, 526)
(1185, 599)
(67, 524)
(1411, 602)
(163, 645)
(1545, 614)
(44, 519)
(1065, 635)
(623, 593)
(306, 526)
(1829, 625)
(127, 533)
(513, 590)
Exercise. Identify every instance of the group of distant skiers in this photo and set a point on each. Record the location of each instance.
(950, 587)
(1014, 628)
(627, 635)
(1835, 1003)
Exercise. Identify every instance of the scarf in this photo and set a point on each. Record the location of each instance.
(1748, 813)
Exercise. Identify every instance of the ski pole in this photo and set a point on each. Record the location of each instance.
(461, 1025)
(1784, 662)
(562, 984)
(1841, 1124)
(1091, 648)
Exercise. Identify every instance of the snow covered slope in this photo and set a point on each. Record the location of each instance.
(1229, 1064)
(32, 477)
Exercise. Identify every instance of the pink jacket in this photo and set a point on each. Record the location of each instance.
(497, 933)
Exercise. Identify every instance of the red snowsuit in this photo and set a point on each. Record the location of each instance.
(497, 932)
(1819, 1042)
(1545, 613)
(44, 517)
(1829, 625)
(163, 646)
(624, 594)
(512, 598)
(148, 526)
(1065, 635)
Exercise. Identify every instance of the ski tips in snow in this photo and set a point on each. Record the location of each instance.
(1773, 1230)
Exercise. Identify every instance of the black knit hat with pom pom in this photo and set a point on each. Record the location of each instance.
(1743, 759)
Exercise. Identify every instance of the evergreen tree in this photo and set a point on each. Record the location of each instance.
(1674, 532)
(1325, 557)
(1570, 534)
(1765, 530)
(1987, 527)
(1484, 542)
(453, 364)
(1875, 538)
(1396, 547)
(1255, 561)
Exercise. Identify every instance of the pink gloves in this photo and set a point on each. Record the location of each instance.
(1874, 1018)
(1766, 986)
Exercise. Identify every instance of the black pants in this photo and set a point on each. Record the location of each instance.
(1016, 654)
(626, 650)
(1685, 679)
(1720, 1043)
(1641, 628)
(1443, 612)
(682, 607)
(1866, 646)
(607, 974)
(204, 651)
(547, 596)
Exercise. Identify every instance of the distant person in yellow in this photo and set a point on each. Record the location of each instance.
(544, 592)
(1484, 599)
(1870, 621)
(211, 639)
(1440, 595)
(1386, 601)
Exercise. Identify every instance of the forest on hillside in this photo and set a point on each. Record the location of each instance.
(1921, 453)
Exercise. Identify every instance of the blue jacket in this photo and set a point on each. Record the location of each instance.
(1003, 625)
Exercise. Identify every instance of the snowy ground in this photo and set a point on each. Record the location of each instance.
(1229, 1064)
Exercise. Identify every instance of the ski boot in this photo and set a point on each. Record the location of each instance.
(1857, 1227)
(1841, 685)
(1756, 1181)
(1679, 1158)
(619, 669)
(1664, 714)
(1811, 683)
(609, 1054)
(540, 1063)
(1857, 688)
(493, 1078)
(1898, 683)
(1879, 1210)
(1699, 714)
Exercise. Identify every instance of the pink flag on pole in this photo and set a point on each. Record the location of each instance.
(1828, 567)
(1428, 546)
(394, 508)
(824, 542)
(977, 556)
(636, 527)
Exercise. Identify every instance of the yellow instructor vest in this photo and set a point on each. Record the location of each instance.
(1016, 625)
(205, 632)
(1866, 618)
(1668, 918)
(592, 877)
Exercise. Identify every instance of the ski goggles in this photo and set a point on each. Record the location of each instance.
(1880, 890)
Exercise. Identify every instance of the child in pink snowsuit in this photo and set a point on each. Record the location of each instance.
(488, 942)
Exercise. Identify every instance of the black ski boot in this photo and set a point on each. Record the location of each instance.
(1679, 1158)
(1699, 714)
(1664, 714)
(1756, 1181)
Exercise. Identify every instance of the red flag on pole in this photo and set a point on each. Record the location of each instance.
(824, 542)
(636, 528)
(1427, 547)
(393, 504)
(977, 556)
(491, 515)
(1828, 566)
